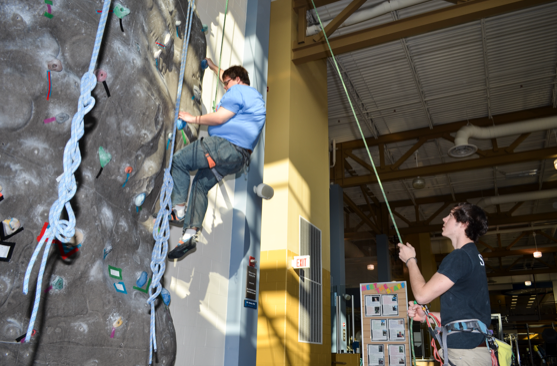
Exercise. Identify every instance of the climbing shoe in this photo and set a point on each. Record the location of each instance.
(184, 247)
(176, 217)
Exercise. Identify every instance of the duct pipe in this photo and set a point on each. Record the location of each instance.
(463, 148)
(366, 14)
(517, 197)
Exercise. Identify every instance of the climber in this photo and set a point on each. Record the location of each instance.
(234, 130)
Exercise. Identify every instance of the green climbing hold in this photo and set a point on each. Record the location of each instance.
(104, 156)
(58, 283)
(120, 10)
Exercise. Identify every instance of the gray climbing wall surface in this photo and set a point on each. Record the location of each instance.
(86, 291)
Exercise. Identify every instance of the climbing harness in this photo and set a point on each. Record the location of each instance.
(212, 164)
(358, 123)
(64, 230)
(441, 332)
(161, 229)
(220, 57)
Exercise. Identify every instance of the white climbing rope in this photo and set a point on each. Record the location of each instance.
(64, 230)
(161, 229)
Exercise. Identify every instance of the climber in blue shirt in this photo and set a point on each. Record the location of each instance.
(234, 130)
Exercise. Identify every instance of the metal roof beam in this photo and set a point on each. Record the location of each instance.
(408, 27)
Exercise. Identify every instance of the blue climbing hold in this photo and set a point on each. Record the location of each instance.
(204, 64)
(204, 28)
(106, 250)
(165, 296)
(180, 124)
(142, 280)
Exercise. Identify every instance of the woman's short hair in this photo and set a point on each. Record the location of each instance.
(234, 72)
(472, 215)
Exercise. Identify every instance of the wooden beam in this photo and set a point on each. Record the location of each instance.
(412, 26)
(470, 164)
(516, 240)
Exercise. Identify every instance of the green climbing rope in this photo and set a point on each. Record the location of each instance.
(220, 57)
(358, 123)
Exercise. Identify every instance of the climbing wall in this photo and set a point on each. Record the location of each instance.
(93, 307)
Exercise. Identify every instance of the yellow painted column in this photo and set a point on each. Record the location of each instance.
(297, 167)
(426, 261)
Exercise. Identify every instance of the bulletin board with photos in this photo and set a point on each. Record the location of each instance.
(385, 332)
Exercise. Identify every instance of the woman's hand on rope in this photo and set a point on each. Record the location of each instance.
(406, 252)
(416, 312)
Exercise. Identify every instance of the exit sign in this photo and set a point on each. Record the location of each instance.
(301, 261)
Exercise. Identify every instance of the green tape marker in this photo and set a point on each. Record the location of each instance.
(48, 2)
(48, 15)
(146, 287)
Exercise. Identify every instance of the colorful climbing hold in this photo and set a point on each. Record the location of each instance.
(138, 200)
(58, 283)
(180, 124)
(120, 10)
(178, 28)
(55, 65)
(169, 139)
(146, 289)
(115, 325)
(165, 296)
(104, 157)
(204, 28)
(142, 280)
(101, 75)
(128, 172)
(106, 250)
(204, 64)
(62, 117)
(10, 227)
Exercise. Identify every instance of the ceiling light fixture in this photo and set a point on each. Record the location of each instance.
(528, 283)
(370, 267)
(418, 182)
(537, 253)
(555, 164)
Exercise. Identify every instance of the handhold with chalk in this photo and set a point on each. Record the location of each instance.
(204, 64)
(106, 250)
(101, 78)
(62, 117)
(10, 226)
(58, 283)
(115, 325)
(120, 10)
(55, 65)
(180, 124)
(204, 28)
(165, 296)
(104, 157)
(178, 28)
(169, 139)
(128, 172)
(138, 200)
(142, 280)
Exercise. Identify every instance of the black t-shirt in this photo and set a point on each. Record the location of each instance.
(469, 296)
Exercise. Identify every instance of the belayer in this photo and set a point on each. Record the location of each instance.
(461, 284)
(234, 130)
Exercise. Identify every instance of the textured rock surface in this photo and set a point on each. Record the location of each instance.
(75, 322)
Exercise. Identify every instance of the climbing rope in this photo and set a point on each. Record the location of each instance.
(64, 230)
(358, 123)
(220, 57)
(161, 229)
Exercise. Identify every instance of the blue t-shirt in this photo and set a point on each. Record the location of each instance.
(244, 128)
(469, 296)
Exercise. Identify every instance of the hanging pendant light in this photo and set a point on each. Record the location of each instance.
(418, 182)
(537, 253)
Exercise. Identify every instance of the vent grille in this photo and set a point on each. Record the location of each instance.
(310, 329)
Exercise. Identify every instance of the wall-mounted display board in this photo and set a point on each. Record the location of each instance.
(385, 332)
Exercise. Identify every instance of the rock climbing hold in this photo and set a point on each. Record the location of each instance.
(146, 287)
(169, 139)
(62, 117)
(117, 323)
(55, 65)
(115, 272)
(6, 251)
(165, 296)
(10, 227)
(48, 120)
(104, 157)
(101, 75)
(204, 64)
(204, 28)
(142, 280)
(106, 250)
(120, 287)
(58, 283)
(180, 124)
(128, 172)
(138, 200)
(76, 240)
(178, 28)
(120, 10)
(156, 55)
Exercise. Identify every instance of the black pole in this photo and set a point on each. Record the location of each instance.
(530, 345)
